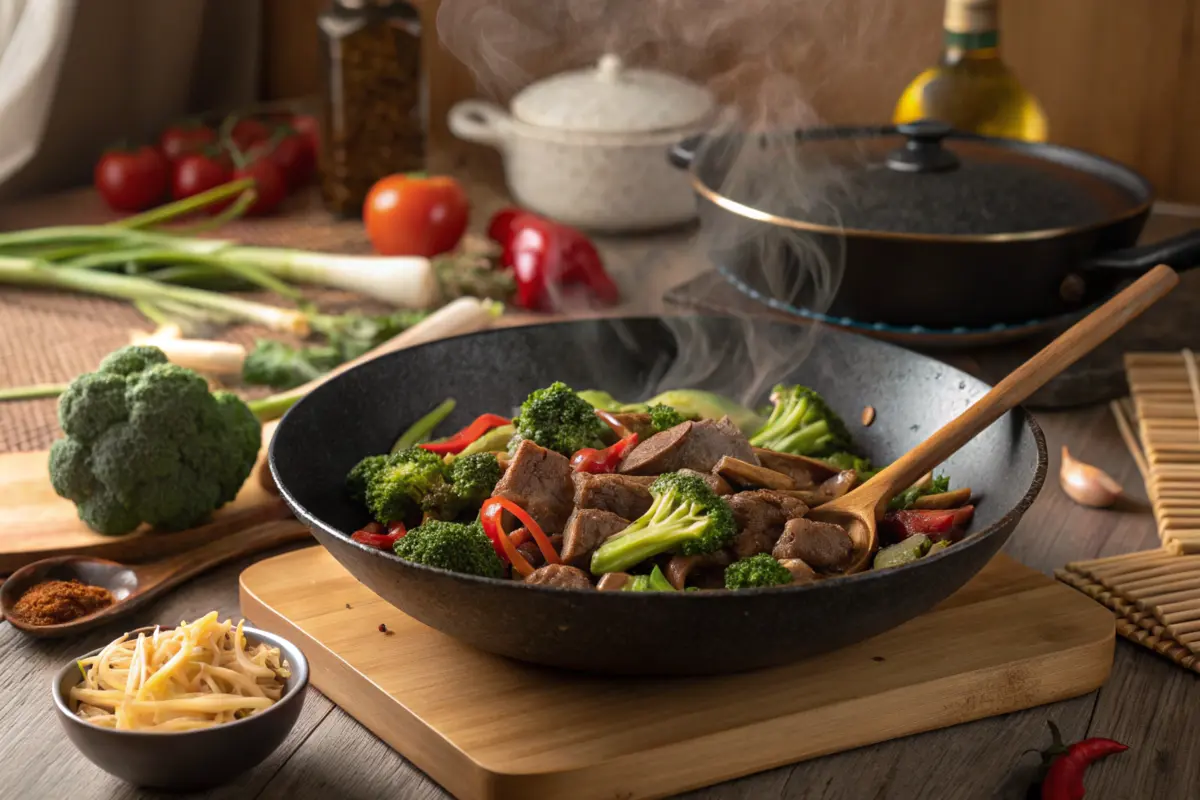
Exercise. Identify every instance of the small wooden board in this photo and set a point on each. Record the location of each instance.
(36, 523)
(486, 727)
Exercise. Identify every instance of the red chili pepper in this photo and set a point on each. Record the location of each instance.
(373, 536)
(936, 524)
(500, 228)
(459, 441)
(1064, 778)
(548, 259)
(601, 462)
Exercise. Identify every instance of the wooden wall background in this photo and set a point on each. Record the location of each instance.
(1117, 77)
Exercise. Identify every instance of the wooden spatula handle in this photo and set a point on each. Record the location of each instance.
(1080, 339)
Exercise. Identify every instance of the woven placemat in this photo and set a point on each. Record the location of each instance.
(50, 337)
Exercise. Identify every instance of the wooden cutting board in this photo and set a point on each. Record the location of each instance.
(36, 523)
(485, 727)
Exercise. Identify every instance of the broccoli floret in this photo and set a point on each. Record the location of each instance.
(686, 517)
(803, 424)
(755, 572)
(396, 490)
(454, 546)
(360, 476)
(147, 442)
(939, 484)
(664, 417)
(558, 419)
(472, 479)
(654, 582)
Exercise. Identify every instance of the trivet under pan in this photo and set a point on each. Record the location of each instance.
(485, 727)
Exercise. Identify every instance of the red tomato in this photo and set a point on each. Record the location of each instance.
(415, 216)
(132, 180)
(269, 184)
(248, 132)
(178, 141)
(293, 155)
(309, 127)
(198, 173)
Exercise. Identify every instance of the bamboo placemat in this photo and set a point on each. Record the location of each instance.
(1165, 391)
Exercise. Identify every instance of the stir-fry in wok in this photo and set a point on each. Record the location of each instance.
(685, 492)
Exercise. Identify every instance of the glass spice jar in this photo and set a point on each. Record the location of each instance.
(374, 121)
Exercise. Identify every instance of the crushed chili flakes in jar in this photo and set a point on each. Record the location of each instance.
(56, 602)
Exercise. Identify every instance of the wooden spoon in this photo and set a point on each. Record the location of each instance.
(859, 511)
(134, 586)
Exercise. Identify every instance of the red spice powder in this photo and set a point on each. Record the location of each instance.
(56, 602)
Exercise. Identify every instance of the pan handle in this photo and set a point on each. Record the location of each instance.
(682, 154)
(1179, 252)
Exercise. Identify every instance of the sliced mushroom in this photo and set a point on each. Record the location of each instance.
(743, 474)
(793, 465)
(679, 568)
(944, 500)
(613, 582)
(801, 572)
(838, 485)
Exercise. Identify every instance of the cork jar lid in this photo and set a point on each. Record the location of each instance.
(612, 98)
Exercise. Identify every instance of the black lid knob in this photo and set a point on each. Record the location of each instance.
(923, 152)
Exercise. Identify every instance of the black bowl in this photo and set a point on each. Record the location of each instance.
(188, 760)
(362, 411)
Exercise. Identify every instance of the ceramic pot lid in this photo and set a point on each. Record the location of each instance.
(613, 98)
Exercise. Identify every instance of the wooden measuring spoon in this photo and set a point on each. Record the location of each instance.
(134, 586)
(860, 510)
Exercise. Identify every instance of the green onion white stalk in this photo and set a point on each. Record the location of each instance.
(208, 357)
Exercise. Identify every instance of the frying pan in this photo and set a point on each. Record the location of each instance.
(938, 229)
(363, 410)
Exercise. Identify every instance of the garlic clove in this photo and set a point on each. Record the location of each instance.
(1085, 484)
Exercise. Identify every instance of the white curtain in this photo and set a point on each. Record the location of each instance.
(76, 77)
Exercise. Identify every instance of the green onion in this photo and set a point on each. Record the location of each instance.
(420, 430)
(35, 392)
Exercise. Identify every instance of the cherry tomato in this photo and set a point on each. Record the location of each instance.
(180, 140)
(293, 155)
(415, 216)
(198, 173)
(248, 132)
(269, 184)
(309, 127)
(132, 180)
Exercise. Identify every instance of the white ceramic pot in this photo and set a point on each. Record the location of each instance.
(589, 147)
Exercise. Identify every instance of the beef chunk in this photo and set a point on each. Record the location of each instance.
(760, 517)
(539, 481)
(560, 576)
(822, 545)
(714, 481)
(624, 495)
(587, 529)
(638, 423)
(697, 445)
(533, 553)
(804, 471)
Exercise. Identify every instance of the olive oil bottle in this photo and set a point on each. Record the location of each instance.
(971, 88)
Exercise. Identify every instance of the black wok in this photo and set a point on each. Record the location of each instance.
(937, 229)
(362, 411)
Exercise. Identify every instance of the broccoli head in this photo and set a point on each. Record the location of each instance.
(803, 424)
(147, 442)
(558, 419)
(685, 517)
(472, 479)
(453, 546)
(360, 476)
(396, 489)
(755, 572)
(664, 417)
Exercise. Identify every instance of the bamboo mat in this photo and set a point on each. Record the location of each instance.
(1155, 594)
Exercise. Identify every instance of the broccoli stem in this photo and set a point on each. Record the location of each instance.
(668, 523)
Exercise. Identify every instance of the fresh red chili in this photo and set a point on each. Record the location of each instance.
(601, 462)
(459, 441)
(373, 535)
(1064, 778)
(547, 259)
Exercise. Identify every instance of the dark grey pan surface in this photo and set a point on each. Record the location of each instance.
(362, 412)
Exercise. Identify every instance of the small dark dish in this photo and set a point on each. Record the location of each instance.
(362, 411)
(191, 760)
(936, 228)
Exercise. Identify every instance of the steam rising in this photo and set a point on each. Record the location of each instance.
(771, 63)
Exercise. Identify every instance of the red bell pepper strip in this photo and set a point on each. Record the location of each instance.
(1064, 778)
(600, 462)
(547, 258)
(373, 536)
(459, 441)
(936, 524)
(491, 517)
